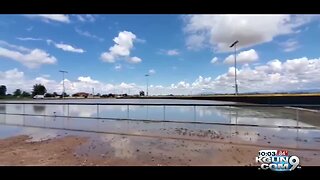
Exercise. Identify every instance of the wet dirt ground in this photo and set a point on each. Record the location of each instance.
(36, 146)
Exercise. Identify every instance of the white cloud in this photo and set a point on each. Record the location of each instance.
(219, 31)
(87, 34)
(243, 57)
(69, 48)
(52, 17)
(31, 58)
(65, 47)
(214, 60)
(28, 39)
(118, 67)
(138, 40)
(290, 45)
(29, 28)
(152, 71)
(87, 79)
(13, 74)
(275, 75)
(121, 48)
(107, 57)
(173, 52)
(170, 52)
(134, 60)
(12, 46)
(86, 18)
(13, 79)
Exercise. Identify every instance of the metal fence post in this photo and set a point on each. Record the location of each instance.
(297, 117)
(194, 113)
(164, 112)
(68, 111)
(97, 110)
(127, 111)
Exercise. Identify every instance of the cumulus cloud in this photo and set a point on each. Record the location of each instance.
(87, 79)
(219, 31)
(52, 17)
(13, 74)
(243, 57)
(13, 79)
(121, 49)
(134, 60)
(32, 58)
(274, 76)
(214, 60)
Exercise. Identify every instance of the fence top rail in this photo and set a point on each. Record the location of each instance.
(166, 104)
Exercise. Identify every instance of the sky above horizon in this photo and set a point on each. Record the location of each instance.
(183, 54)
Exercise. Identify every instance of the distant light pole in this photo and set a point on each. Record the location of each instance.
(63, 91)
(147, 75)
(235, 65)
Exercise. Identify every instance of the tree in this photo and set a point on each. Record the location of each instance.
(25, 94)
(39, 89)
(17, 92)
(3, 90)
(55, 94)
(141, 93)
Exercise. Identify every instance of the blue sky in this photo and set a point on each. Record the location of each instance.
(184, 53)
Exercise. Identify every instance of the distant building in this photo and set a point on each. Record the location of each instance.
(81, 94)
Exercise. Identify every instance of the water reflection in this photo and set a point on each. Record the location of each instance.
(210, 114)
(39, 109)
(291, 138)
(3, 108)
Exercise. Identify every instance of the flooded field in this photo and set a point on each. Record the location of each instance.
(202, 135)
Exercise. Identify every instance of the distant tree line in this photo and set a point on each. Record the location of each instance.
(39, 89)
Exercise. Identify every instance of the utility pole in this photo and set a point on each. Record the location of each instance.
(63, 91)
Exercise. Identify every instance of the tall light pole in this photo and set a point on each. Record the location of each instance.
(63, 72)
(235, 65)
(147, 75)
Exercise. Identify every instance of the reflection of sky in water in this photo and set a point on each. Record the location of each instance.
(234, 115)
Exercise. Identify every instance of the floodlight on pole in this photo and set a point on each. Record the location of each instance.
(63, 91)
(235, 65)
(147, 75)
